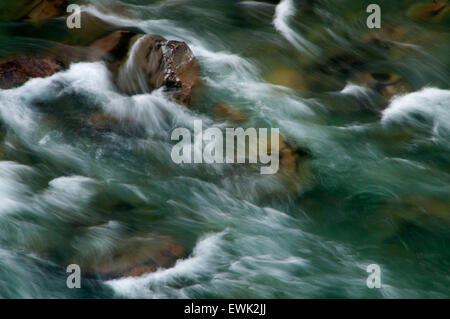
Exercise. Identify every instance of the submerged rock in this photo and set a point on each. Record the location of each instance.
(290, 155)
(289, 78)
(92, 29)
(386, 84)
(342, 63)
(139, 256)
(46, 9)
(226, 112)
(435, 12)
(33, 10)
(143, 63)
(113, 49)
(16, 71)
(387, 36)
(109, 124)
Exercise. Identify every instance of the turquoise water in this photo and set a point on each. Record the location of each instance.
(374, 190)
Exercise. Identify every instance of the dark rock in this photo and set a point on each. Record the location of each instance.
(33, 10)
(343, 63)
(386, 84)
(16, 71)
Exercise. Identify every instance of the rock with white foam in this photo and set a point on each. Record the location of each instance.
(16, 71)
(143, 63)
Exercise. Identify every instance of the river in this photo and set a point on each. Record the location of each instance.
(374, 188)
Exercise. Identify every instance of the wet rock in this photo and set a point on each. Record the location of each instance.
(139, 256)
(109, 124)
(386, 84)
(16, 71)
(436, 12)
(386, 37)
(226, 112)
(92, 29)
(143, 63)
(102, 122)
(428, 206)
(113, 49)
(289, 78)
(46, 9)
(343, 63)
(290, 155)
(33, 10)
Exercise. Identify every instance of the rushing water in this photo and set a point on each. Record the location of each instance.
(375, 189)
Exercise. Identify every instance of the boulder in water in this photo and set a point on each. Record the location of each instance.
(113, 49)
(46, 9)
(226, 112)
(435, 12)
(143, 63)
(290, 155)
(288, 77)
(33, 10)
(137, 257)
(106, 123)
(16, 71)
(386, 84)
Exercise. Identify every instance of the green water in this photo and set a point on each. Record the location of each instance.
(374, 190)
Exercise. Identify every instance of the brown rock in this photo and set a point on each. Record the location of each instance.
(386, 36)
(227, 113)
(137, 257)
(113, 48)
(289, 78)
(107, 123)
(16, 71)
(387, 84)
(32, 10)
(92, 29)
(143, 63)
(46, 9)
(435, 12)
(290, 156)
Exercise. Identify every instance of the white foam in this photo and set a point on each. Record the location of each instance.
(283, 12)
(12, 190)
(157, 284)
(431, 103)
(353, 89)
